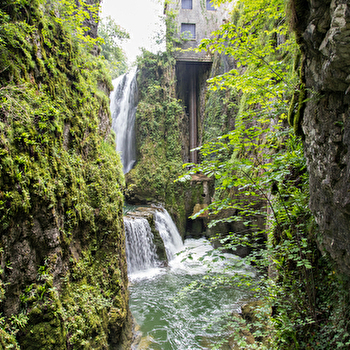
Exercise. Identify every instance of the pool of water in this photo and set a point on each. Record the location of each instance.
(172, 316)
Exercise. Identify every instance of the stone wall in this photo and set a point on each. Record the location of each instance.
(205, 21)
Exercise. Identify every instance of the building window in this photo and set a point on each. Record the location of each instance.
(210, 6)
(186, 4)
(188, 31)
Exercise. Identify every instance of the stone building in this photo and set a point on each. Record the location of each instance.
(195, 20)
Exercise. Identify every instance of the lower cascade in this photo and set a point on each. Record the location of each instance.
(169, 233)
(168, 314)
(141, 251)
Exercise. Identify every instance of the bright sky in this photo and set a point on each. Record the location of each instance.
(140, 18)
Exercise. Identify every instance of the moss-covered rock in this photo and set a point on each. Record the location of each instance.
(63, 267)
(159, 138)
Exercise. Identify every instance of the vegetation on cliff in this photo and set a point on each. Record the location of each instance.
(159, 138)
(260, 172)
(113, 35)
(63, 273)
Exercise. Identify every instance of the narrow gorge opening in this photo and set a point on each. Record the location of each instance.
(191, 79)
(168, 312)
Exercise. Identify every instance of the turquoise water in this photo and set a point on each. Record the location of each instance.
(173, 318)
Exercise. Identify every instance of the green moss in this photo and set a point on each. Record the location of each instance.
(8, 341)
(300, 112)
(45, 330)
(93, 302)
(55, 161)
(159, 138)
(292, 107)
(296, 110)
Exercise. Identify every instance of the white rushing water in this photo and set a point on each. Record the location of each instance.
(174, 316)
(123, 108)
(140, 249)
(169, 233)
(171, 315)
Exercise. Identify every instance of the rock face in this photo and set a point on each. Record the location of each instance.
(63, 277)
(323, 30)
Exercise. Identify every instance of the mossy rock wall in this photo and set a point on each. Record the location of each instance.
(159, 128)
(63, 267)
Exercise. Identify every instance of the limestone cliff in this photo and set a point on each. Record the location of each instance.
(323, 29)
(63, 271)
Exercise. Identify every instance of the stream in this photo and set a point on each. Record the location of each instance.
(168, 314)
(168, 320)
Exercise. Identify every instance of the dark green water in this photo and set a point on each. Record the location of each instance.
(191, 320)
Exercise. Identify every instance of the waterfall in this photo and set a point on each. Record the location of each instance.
(123, 108)
(169, 233)
(140, 248)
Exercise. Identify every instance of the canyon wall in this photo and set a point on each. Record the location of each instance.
(323, 31)
(63, 268)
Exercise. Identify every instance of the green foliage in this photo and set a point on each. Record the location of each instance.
(171, 35)
(220, 109)
(113, 35)
(258, 40)
(8, 328)
(261, 176)
(75, 17)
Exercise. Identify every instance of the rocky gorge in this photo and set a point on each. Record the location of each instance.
(68, 243)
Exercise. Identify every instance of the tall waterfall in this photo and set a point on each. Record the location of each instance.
(140, 249)
(123, 108)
